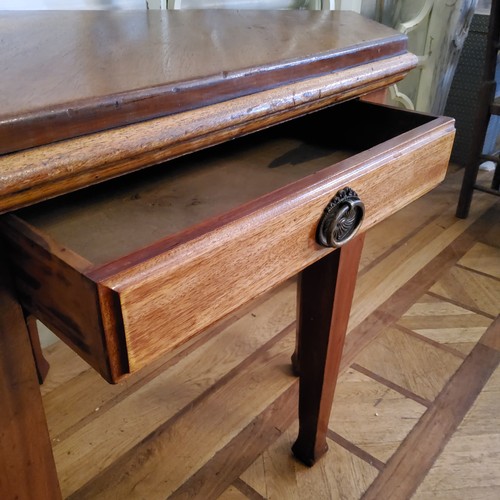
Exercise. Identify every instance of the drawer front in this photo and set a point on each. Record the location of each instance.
(151, 301)
(197, 283)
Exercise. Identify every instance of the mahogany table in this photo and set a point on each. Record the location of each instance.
(257, 171)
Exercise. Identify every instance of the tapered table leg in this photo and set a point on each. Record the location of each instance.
(325, 293)
(27, 467)
(41, 364)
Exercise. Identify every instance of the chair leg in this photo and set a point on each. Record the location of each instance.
(472, 167)
(495, 183)
(467, 190)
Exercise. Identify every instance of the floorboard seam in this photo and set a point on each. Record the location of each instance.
(247, 490)
(411, 462)
(433, 343)
(355, 450)
(460, 304)
(388, 383)
(476, 271)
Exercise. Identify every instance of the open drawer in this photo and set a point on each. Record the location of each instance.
(130, 269)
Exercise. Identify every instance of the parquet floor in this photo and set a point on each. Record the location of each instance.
(416, 411)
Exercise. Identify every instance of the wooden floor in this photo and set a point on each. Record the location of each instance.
(416, 411)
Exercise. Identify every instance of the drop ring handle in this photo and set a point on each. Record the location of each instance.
(341, 219)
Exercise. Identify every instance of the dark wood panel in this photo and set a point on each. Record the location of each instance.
(70, 73)
(51, 285)
(27, 467)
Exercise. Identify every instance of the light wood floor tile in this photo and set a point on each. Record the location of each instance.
(133, 418)
(409, 362)
(233, 493)
(65, 365)
(469, 466)
(163, 462)
(446, 323)
(372, 416)
(276, 475)
(491, 236)
(382, 281)
(396, 230)
(471, 289)
(484, 258)
(410, 464)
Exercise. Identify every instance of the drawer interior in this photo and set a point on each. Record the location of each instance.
(106, 222)
(124, 271)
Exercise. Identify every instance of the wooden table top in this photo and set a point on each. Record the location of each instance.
(71, 73)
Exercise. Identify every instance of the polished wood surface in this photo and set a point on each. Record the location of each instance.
(244, 257)
(325, 292)
(154, 278)
(54, 289)
(36, 174)
(208, 189)
(68, 73)
(27, 467)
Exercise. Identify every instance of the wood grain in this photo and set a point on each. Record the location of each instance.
(27, 467)
(117, 68)
(445, 323)
(190, 196)
(275, 474)
(248, 257)
(470, 289)
(222, 347)
(139, 289)
(491, 337)
(209, 481)
(41, 364)
(468, 465)
(147, 406)
(483, 258)
(408, 259)
(378, 314)
(372, 415)
(339, 474)
(39, 173)
(409, 362)
(325, 292)
(400, 478)
(52, 286)
(125, 477)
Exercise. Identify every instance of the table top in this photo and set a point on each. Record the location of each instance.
(69, 73)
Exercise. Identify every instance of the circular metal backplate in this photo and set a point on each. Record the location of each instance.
(341, 219)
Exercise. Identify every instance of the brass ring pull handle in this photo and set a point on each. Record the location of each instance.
(341, 219)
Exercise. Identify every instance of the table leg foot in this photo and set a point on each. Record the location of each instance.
(306, 453)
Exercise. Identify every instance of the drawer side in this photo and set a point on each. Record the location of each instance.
(51, 285)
